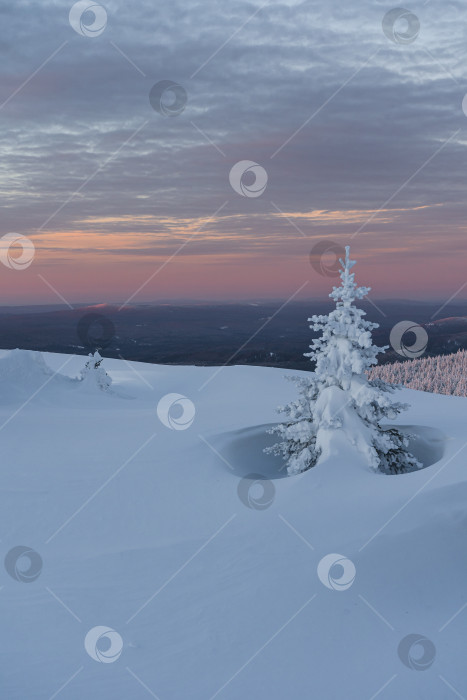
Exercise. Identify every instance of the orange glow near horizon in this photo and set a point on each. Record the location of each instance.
(227, 258)
(223, 277)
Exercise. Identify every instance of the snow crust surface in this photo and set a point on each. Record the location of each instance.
(211, 581)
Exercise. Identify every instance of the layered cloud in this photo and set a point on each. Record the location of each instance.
(362, 139)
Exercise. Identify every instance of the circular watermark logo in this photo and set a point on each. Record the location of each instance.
(103, 644)
(16, 262)
(176, 411)
(324, 258)
(464, 105)
(336, 572)
(88, 18)
(416, 652)
(168, 98)
(256, 492)
(95, 331)
(23, 564)
(401, 26)
(247, 178)
(420, 339)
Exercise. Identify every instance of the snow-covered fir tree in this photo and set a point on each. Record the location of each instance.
(94, 374)
(339, 399)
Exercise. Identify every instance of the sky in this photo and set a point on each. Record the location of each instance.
(297, 125)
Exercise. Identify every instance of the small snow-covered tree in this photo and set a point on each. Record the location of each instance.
(339, 399)
(94, 374)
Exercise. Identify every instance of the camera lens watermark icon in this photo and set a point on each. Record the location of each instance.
(168, 98)
(16, 262)
(23, 564)
(88, 18)
(336, 572)
(418, 346)
(401, 26)
(256, 492)
(247, 178)
(416, 652)
(95, 331)
(103, 644)
(464, 105)
(176, 411)
(324, 258)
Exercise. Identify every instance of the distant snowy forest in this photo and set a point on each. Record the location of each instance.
(445, 374)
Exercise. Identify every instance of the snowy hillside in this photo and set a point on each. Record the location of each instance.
(445, 374)
(206, 584)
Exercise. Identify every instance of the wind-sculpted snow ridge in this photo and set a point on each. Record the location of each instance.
(23, 365)
(445, 374)
(23, 372)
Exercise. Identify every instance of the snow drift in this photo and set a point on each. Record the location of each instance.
(162, 572)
